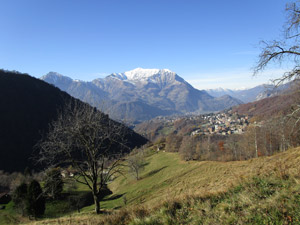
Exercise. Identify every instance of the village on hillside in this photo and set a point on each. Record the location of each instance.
(218, 123)
(223, 123)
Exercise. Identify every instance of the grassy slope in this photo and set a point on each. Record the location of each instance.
(166, 178)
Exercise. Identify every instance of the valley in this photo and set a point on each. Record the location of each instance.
(189, 161)
(158, 113)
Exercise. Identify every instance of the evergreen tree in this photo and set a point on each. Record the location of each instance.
(19, 198)
(27, 172)
(35, 201)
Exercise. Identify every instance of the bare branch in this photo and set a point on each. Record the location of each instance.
(293, 21)
(275, 52)
(286, 50)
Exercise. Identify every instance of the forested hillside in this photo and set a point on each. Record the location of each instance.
(269, 107)
(27, 107)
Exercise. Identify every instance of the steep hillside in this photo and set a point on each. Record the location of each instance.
(27, 107)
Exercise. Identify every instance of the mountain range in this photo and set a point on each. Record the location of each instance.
(142, 94)
(251, 94)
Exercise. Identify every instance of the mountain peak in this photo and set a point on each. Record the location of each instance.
(54, 77)
(54, 74)
(140, 73)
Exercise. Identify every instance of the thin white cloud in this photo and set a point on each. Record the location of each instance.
(235, 79)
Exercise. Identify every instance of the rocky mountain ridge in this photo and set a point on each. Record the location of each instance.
(141, 94)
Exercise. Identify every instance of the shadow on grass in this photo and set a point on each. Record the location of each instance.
(146, 164)
(153, 172)
(113, 197)
(68, 203)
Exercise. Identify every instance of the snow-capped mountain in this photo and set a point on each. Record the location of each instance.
(140, 74)
(142, 94)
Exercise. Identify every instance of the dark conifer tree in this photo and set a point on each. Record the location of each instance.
(19, 198)
(35, 201)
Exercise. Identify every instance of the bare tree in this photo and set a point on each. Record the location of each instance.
(233, 145)
(270, 132)
(188, 148)
(89, 141)
(173, 142)
(136, 163)
(278, 51)
(53, 183)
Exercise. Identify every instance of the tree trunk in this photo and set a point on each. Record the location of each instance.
(137, 174)
(255, 142)
(97, 203)
(235, 153)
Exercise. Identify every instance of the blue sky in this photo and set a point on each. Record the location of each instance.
(208, 43)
